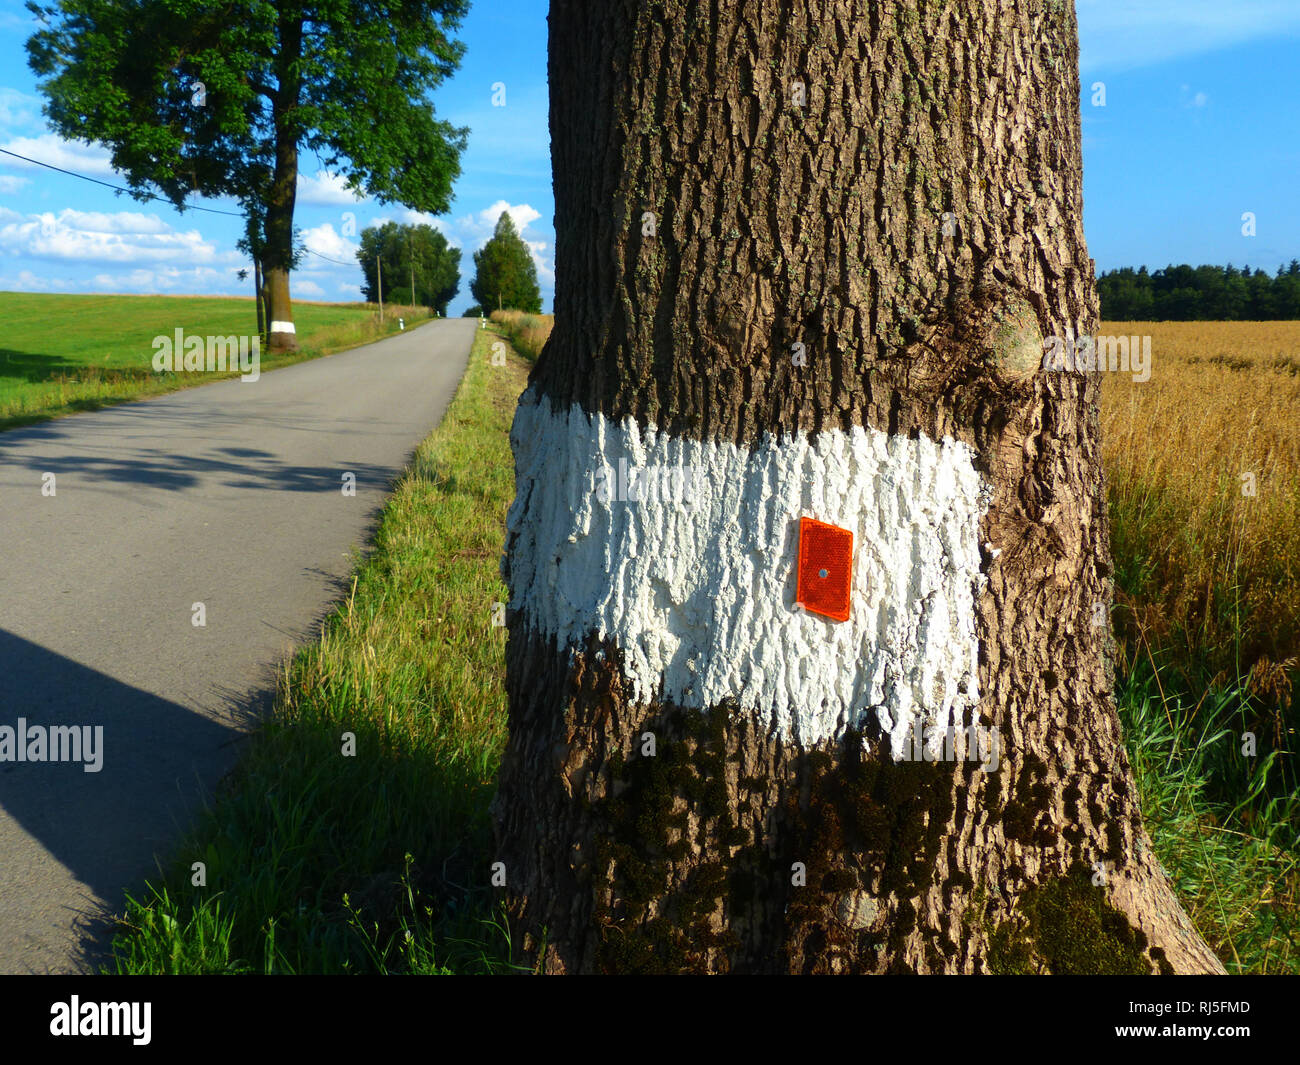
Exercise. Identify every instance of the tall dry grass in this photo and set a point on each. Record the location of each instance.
(1207, 571)
(527, 332)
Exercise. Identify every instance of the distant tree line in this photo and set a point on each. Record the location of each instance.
(1200, 293)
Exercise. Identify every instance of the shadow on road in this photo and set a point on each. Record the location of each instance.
(130, 455)
(34, 367)
(105, 826)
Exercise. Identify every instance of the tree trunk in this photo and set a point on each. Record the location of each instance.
(813, 251)
(279, 250)
(278, 261)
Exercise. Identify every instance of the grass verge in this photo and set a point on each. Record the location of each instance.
(527, 332)
(379, 862)
(1216, 822)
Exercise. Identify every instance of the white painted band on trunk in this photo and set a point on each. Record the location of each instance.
(700, 598)
(282, 327)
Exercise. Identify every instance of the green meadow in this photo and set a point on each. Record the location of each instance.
(65, 353)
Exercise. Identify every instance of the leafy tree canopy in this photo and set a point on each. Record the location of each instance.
(1201, 293)
(401, 250)
(217, 97)
(194, 95)
(505, 276)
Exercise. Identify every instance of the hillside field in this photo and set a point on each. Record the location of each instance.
(66, 353)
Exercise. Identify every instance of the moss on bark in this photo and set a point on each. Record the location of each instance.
(1065, 927)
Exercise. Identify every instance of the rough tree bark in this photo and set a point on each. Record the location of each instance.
(700, 776)
(279, 253)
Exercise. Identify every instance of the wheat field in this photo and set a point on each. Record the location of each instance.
(1202, 465)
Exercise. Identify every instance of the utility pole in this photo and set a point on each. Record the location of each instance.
(260, 296)
(411, 244)
(379, 277)
(254, 243)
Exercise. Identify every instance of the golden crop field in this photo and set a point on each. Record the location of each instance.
(1203, 474)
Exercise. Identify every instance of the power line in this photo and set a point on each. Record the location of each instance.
(119, 188)
(326, 257)
(151, 196)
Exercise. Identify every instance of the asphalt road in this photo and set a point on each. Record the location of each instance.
(229, 495)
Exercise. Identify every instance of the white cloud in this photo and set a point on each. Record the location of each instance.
(17, 109)
(11, 183)
(308, 288)
(478, 228)
(71, 155)
(349, 289)
(545, 271)
(1123, 36)
(117, 222)
(12, 20)
(324, 189)
(124, 237)
(133, 280)
(323, 240)
(26, 281)
(165, 279)
(471, 230)
(421, 218)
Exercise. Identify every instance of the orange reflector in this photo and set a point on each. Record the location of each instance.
(825, 568)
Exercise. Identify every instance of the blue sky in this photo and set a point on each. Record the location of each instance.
(1200, 124)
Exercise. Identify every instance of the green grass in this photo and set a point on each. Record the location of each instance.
(62, 353)
(318, 862)
(1216, 822)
